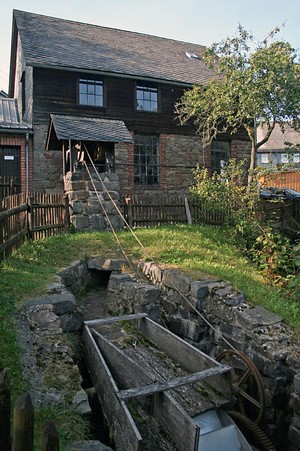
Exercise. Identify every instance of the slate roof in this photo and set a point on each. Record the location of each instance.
(9, 115)
(82, 128)
(53, 42)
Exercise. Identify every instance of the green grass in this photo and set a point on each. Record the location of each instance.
(195, 250)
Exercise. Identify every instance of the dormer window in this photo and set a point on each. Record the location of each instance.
(91, 92)
(146, 97)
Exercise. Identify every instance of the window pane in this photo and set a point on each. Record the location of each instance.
(146, 164)
(146, 98)
(91, 92)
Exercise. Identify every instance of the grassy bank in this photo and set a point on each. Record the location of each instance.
(195, 250)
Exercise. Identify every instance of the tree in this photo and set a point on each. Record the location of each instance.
(253, 82)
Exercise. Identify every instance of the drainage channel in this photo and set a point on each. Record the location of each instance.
(94, 306)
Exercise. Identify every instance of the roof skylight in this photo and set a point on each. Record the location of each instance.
(192, 56)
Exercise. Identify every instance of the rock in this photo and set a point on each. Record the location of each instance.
(72, 322)
(173, 279)
(81, 403)
(62, 302)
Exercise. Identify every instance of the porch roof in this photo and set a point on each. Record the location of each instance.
(83, 128)
(9, 116)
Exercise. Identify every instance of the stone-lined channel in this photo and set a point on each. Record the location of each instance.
(263, 336)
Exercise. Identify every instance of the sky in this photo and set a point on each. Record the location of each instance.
(199, 21)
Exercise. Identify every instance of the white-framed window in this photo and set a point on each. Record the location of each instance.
(264, 158)
(284, 158)
(146, 97)
(91, 92)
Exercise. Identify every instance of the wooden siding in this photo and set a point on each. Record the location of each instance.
(56, 92)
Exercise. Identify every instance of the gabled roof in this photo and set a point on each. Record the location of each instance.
(83, 128)
(57, 43)
(277, 140)
(9, 115)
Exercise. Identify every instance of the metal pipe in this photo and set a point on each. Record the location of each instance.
(27, 161)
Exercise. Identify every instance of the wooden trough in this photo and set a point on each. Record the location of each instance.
(151, 383)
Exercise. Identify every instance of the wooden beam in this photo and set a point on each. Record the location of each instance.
(126, 435)
(114, 319)
(173, 383)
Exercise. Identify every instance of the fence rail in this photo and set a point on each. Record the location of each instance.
(33, 216)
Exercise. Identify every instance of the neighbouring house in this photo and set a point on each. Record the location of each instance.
(276, 151)
(15, 150)
(111, 92)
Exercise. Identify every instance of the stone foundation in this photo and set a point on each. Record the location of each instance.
(93, 202)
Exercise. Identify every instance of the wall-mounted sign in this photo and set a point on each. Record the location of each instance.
(9, 157)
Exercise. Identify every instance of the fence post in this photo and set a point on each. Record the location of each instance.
(23, 424)
(67, 213)
(50, 439)
(30, 218)
(188, 211)
(128, 202)
(4, 411)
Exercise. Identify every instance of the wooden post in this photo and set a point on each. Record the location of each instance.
(188, 211)
(67, 214)
(4, 411)
(23, 424)
(128, 201)
(30, 218)
(50, 439)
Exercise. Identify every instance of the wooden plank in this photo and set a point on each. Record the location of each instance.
(169, 414)
(114, 319)
(176, 421)
(184, 353)
(123, 428)
(173, 383)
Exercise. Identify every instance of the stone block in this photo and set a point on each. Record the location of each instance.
(72, 322)
(81, 403)
(106, 264)
(116, 282)
(173, 279)
(77, 207)
(147, 294)
(80, 222)
(256, 317)
(175, 325)
(61, 303)
(199, 289)
(97, 222)
(170, 307)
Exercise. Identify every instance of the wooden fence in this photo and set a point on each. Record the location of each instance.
(147, 211)
(33, 216)
(285, 179)
(22, 437)
(144, 211)
(8, 186)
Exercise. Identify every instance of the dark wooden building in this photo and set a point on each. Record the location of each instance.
(111, 92)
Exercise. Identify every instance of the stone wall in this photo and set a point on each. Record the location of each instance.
(260, 334)
(90, 203)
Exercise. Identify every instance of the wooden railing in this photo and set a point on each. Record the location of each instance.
(33, 216)
(22, 437)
